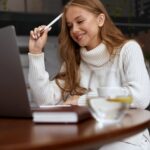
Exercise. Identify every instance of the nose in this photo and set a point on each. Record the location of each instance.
(75, 29)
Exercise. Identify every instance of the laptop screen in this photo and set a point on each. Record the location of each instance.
(13, 94)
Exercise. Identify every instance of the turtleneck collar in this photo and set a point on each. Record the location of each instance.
(97, 56)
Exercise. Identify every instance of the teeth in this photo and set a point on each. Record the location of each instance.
(79, 37)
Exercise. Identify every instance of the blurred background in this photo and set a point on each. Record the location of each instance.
(131, 16)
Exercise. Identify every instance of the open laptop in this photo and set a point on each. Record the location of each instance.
(13, 93)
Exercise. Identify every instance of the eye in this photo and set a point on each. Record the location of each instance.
(80, 21)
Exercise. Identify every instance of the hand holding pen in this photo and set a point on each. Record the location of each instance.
(38, 36)
(39, 30)
(52, 22)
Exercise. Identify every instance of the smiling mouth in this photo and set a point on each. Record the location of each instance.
(79, 38)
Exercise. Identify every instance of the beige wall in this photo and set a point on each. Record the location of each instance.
(33, 6)
(12, 5)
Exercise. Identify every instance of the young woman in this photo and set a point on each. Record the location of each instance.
(89, 41)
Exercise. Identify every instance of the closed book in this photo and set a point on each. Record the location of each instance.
(60, 114)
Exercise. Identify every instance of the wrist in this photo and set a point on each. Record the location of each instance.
(35, 51)
(72, 100)
(32, 52)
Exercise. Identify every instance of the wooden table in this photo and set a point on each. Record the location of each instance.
(24, 134)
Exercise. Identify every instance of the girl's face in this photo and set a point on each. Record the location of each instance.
(84, 26)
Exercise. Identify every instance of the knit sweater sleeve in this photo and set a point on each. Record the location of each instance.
(136, 78)
(43, 90)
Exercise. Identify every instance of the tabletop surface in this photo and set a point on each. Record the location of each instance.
(24, 134)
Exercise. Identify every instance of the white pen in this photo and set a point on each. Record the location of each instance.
(52, 22)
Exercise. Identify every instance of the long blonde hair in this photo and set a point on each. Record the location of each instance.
(70, 51)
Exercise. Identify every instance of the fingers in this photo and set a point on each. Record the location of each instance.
(37, 32)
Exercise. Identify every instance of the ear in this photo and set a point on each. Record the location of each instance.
(101, 19)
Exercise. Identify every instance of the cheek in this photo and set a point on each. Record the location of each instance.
(95, 30)
(91, 26)
(86, 27)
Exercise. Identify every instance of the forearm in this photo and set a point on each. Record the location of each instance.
(43, 90)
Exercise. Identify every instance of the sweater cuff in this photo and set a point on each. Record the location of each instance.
(36, 61)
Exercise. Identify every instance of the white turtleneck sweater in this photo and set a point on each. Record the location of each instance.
(125, 69)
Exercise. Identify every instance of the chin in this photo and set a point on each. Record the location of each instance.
(82, 44)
